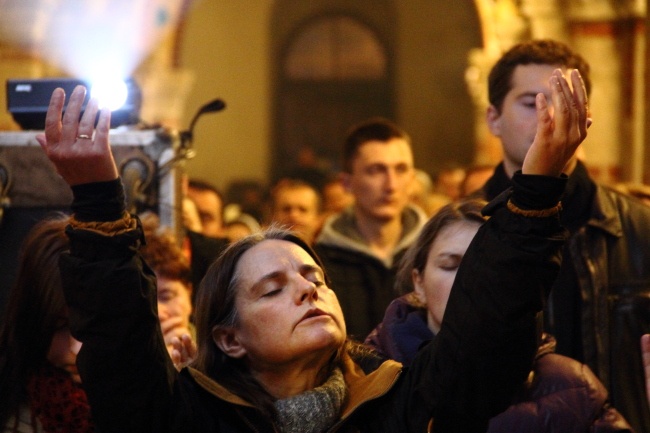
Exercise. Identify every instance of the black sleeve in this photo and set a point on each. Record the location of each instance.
(111, 294)
(98, 201)
(489, 334)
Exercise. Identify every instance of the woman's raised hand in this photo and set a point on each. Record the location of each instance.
(560, 130)
(78, 155)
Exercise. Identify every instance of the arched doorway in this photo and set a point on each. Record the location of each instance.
(333, 70)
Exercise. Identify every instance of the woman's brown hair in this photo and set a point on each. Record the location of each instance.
(35, 309)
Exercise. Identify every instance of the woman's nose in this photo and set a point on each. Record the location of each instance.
(163, 311)
(308, 291)
(75, 345)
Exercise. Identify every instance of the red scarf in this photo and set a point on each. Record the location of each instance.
(59, 403)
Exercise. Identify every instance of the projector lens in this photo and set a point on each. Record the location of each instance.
(111, 93)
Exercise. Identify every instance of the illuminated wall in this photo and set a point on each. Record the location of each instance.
(223, 48)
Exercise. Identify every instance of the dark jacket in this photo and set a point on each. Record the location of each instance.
(460, 380)
(362, 282)
(609, 255)
(561, 395)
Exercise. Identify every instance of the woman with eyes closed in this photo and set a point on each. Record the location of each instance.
(560, 395)
(40, 387)
(273, 354)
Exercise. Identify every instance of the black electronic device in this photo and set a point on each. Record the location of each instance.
(28, 99)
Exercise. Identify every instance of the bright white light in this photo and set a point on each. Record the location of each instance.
(81, 37)
(109, 93)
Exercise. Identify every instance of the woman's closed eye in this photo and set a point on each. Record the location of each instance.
(314, 275)
(450, 262)
(166, 295)
(272, 292)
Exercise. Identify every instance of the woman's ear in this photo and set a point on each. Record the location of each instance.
(226, 339)
(416, 277)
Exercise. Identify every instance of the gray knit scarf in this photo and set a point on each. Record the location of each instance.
(316, 410)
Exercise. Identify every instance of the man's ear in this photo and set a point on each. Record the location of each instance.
(493, 118)
(417, 285)
(226, 339)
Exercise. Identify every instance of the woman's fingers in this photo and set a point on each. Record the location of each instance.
(53, 119)
(79, 157)
(189, 346)
(103, 128)
(87, 122)
(565, 114)
(183, 351)
(170, 323)
(581, 101)
(72, 113)
(560, 130)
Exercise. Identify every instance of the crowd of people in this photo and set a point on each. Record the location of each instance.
(513, 298)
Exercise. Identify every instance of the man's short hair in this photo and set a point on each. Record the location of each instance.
(205, 186)
(375, 129)
(537, 52)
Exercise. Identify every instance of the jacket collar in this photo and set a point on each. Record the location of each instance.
(340, 231)
(362, 387)
(581, 191)
(604, 213)
(216, 389)
(587, 203)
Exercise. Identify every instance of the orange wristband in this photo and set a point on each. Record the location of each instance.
(542, 213)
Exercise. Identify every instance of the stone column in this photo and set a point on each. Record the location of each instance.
(546, 18)
(605, 34)
(645, 118)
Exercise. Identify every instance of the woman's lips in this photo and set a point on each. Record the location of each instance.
(314, 312)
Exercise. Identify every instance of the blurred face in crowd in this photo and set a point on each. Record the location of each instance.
(297, 208)
(235, 231)
(336, 197)
(380, 179)
(174, 306)
(209, 206)
(449, 181)
(433, 284)
(286, 314)
(475, 179)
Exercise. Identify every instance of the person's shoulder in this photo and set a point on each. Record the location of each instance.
(345, 255)
(339, 239)
(555, 373)
(611, 202)
(206, 245)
